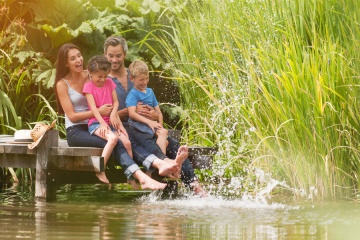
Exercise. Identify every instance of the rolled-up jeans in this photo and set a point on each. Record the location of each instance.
(79, 136)
(143, 154)
(149, 143)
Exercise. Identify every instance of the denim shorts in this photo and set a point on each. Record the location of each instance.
(96, 125)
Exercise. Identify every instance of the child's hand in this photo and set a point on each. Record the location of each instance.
(115, 121)
(154, 124)
(104, 128)
(122, 130)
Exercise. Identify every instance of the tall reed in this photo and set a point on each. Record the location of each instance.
(273, 84)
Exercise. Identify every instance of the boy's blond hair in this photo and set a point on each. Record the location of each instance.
(138, 67)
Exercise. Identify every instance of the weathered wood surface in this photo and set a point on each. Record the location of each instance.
(79, 158)
(56, 163)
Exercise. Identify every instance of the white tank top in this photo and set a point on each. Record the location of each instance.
(79, 103)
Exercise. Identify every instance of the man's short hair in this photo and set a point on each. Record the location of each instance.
(115, 41)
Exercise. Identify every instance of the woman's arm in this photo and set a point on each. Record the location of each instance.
(66, 104)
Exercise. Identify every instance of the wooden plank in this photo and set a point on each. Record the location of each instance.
(16, 148)
(17, 160)
(76, 151)
(59, 177)
(77, 163)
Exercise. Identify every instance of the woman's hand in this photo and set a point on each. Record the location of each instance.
(105, 109)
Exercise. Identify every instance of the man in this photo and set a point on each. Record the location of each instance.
(115, 49)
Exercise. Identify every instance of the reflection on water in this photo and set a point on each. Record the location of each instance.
(103, 212)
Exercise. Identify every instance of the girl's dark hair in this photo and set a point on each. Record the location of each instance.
(62, 69)
(98, 63)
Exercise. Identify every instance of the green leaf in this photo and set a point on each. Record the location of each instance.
(22, 56)
(59, 35)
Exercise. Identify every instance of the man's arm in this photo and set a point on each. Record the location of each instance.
(123, 114)
(148, 112)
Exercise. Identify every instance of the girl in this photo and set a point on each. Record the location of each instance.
(98, 91)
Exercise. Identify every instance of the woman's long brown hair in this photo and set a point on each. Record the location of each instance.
(62, 69)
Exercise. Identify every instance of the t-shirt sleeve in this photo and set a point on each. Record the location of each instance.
(87, 88)
(131, 99)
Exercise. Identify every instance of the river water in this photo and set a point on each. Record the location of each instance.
(113, 212)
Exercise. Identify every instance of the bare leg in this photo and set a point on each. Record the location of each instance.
(146, 182)
(127, 144)
(161, 141)
(106, 153)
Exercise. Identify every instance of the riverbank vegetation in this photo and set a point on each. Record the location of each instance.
(273, 84)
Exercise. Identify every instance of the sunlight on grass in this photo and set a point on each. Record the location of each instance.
(273, 84)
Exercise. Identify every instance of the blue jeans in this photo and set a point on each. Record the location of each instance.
(143, 155)
(148, 142)
(79, 136)
(144, 140)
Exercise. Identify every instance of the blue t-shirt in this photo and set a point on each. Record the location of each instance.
(136, 96)
(147, 98)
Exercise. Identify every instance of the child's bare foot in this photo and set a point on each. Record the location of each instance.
(133, 184)
(198, 189)
(102, 177)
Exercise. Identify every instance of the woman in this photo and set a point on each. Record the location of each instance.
(69, 82)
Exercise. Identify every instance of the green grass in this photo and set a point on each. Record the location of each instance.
(273, 84)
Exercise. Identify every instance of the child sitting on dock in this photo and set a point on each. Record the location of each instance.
(99, 91)
(139, 75)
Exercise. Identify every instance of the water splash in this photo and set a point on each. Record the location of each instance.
(211, 202)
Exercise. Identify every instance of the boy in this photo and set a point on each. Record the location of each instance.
(139, 75)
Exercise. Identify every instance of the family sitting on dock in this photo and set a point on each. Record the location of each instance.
(110, 106)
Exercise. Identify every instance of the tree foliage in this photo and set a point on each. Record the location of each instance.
(31, 31)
